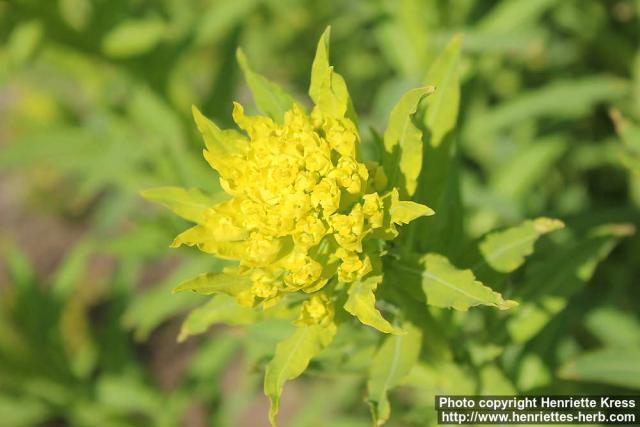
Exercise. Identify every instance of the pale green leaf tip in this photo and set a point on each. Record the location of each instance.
(183, 335)
(273, 411)
(178, 289)
(242, 60)
(197, 115)
(546, 225)
(428, 90)
(508, 304)
(398, 331)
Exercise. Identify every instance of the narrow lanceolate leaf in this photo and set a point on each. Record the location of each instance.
(613, 366)
(506, 250)
(270, 98)
(361, 303)
(213, 283)
(291, 359)
(328, 90)
(402, 158)
(187, 203)
(220, 309)
(391, 364)
(441, 111)
(449, 287)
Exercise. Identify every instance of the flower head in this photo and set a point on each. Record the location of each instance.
(302, 207)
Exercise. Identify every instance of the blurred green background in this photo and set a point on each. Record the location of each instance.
(95, 99)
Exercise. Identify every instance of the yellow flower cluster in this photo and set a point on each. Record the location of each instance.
(303, 209)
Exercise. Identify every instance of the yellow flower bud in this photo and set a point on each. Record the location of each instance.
(316, 310)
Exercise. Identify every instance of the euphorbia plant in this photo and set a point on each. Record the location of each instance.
(317, 235)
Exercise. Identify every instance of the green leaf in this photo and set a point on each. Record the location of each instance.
(441, 111)
(361, 303)
(439, 185)
(212, 283)
(220, 19)
(154, 306)
(270, 98)
(291, 358)
(612, 366)
(187, 203)
(448, 287)
(560, 99)
(23, 411)
(76, 13)
(327, 89)
(614, 327)
(133, 38)
(506, 250)
(533, 373)
(509, 15)
(629, 133)
(516, 177)
(402, 159)
(391, 364)
(403, 212)
(24, 40)
(220, 309)
(494, 382)
(560, 275)
(128, 394)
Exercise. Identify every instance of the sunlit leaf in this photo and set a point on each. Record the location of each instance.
(213, 283)
(449, 287)
(613, 366)
(506, 250)
(133, 38)
(291, 358)
(508, 15)
(361, 303)
(328, 90)
(24, 40)
(391, 364)
(441, 111)
(187, 203)
(405, 211)
(220, 309)
(402, 158)
(614, 327)
(561, 99)
(270, 98)
(545, 293)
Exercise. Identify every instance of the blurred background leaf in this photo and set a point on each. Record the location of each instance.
(95, 105)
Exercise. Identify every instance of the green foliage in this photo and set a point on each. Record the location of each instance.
(214, 283)
(506, 250)
(269, 97)
(361, 303)
(610, 366)
(403, 143)
(448, 287)
(534, 115)
(392, 362)
(291, 358)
